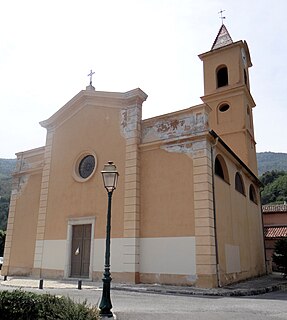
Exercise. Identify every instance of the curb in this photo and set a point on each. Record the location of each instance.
(212, 292)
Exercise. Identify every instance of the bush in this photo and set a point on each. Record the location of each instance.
(22, 305)
(280, 255)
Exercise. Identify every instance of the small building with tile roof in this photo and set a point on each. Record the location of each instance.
(275, 227)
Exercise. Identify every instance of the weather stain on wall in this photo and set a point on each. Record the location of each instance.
(164, 128)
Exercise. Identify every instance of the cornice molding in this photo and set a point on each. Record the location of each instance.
(96, 99)
(229, 91)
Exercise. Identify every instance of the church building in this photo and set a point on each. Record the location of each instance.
(186, 210)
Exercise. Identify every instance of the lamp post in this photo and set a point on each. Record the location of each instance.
(110, 178)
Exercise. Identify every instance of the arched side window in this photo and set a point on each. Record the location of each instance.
(252, 194)
(239, 185)
(220, 168)
(222, 76)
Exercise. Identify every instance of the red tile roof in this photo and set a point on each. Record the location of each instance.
(275, 232)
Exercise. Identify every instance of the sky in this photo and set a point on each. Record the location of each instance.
(47, 49)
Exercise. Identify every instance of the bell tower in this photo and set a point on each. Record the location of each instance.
(227, 92)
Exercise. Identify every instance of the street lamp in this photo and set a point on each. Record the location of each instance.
(110, 178)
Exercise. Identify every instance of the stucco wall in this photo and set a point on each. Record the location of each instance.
(24, 226)
(23, 212)
(95, 130)
(239, 229)
(274, 218)
(234, 125)
(166, 194)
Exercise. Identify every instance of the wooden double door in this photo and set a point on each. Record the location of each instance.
(81, 250)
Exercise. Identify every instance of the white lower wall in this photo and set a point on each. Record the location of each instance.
(54, 254)
(168, 255)
(157, 255)
(116, 257)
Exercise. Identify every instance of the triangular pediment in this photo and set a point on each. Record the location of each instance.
(96, 99)
(222, 39)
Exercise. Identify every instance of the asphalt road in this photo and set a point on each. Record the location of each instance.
(270, 306)
(145, 306)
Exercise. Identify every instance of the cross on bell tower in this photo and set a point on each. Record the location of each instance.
(221, 16)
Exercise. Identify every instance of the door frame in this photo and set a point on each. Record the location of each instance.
(71, 223)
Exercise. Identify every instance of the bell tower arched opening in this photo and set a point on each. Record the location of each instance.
(222, 76)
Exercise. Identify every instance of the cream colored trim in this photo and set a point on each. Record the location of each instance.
(131, 130)
(10, 227)
(203, 209)
(147, 146)
(232, 92)
(95, 99)
(40, 233)
(71, 223)
(31, 152)
(35, 168)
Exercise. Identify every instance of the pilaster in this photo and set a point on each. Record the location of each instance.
(39, 245)
(131, 127)
(10, 225)
(203, 212)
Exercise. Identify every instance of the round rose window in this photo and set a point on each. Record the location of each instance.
(87, 166)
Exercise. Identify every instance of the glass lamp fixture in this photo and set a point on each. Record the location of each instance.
(110, 176)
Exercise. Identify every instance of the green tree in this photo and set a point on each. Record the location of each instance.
(275, 187)
(4, 209)
(280, 255)
(2, 242)
(269, 176)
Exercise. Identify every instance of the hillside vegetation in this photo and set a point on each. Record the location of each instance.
(272, 169)
(274, 190)
(7, 166)
(268, 161)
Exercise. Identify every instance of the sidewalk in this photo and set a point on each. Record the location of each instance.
(264, 284)
(272, 282)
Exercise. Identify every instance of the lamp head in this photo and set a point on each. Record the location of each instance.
(110, 176)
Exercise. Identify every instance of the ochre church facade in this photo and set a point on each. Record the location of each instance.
(186, 209)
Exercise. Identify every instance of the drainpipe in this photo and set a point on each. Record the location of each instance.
(214, 214)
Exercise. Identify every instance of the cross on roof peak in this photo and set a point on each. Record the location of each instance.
(91, 76)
